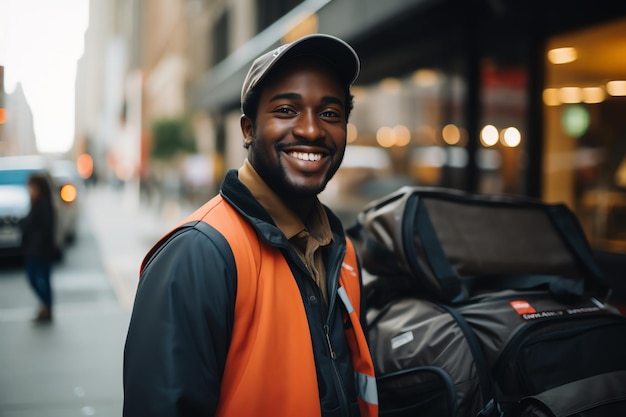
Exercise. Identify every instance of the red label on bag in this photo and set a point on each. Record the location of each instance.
(522, 307)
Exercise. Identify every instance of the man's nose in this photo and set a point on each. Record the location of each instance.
(308, 126)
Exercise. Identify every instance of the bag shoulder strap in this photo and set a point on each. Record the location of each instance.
(417, 221)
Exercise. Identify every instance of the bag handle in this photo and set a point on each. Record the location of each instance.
(420, 224)
(582, 395)
(560, 286)
(573, 235)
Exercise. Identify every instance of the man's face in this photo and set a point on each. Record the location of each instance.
(299, 138)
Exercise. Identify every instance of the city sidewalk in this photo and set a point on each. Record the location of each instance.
(73, 367)
(126, 229)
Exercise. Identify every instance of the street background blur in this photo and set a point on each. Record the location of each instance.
(521, 97)
(73, 367)
(491, 96)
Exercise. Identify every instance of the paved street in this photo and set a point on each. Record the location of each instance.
(73, 367)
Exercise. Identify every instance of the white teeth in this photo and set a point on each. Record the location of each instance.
(306, 156)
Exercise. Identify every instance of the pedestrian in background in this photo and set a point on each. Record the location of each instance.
(38, 243)
(253, 306)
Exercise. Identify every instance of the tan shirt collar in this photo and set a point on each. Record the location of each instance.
(284, 218)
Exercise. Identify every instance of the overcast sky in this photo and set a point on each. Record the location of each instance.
(40, 42)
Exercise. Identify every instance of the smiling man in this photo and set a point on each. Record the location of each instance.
(253, 306)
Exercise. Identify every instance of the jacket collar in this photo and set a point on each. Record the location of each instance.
(236, 193)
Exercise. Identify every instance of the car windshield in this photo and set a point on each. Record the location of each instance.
(14, 176)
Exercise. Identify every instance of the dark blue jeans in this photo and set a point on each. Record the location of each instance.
(39, 272)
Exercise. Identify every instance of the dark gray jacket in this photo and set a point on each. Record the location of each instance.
(183, 316)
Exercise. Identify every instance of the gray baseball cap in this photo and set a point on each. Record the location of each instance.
(332, 49)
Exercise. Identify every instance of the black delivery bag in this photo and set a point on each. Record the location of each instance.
(486, 305)
(450, 245)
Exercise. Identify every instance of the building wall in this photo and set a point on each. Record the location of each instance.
(18, 134)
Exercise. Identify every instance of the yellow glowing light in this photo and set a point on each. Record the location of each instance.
(402, 135)
(616, 88)
(489, 135)
(451, 134)
(551, 97)
(562, 55)
(385, 137)
(511, 137)
(592, 95)
(68, 193)
(571, 95)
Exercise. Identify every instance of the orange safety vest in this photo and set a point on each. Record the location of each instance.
(270, 369)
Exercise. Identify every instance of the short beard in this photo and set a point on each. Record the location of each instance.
(278, 181)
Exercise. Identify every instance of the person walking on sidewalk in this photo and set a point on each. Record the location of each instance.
(253, 305)
(38, 243)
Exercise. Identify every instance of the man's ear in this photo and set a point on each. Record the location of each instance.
(247, 129)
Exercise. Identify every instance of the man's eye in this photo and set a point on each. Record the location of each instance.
(284, 110)
(330, 113)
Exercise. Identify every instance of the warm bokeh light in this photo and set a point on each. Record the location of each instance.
(3, 116)
(571, 95)
(402, 135)
(385, 137)
(551, 97)
(616, 88)
(451, 134)
(84, 166)
(593, 95)
(68, 193)
(399, 135)
(511, 137)
(562, 55)
(489, 135)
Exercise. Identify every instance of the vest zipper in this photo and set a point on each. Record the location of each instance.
(333, 355)
(326, 310)
(333, 274)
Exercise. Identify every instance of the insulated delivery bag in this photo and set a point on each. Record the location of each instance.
(487, 305)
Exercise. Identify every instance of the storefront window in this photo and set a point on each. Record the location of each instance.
(502, 138)
(585, 130)
(403, 131)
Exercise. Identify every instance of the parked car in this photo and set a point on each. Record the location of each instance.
(15, 202)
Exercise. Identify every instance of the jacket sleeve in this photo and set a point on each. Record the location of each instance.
(180, 328)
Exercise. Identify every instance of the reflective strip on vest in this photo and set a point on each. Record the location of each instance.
(346, 301)
(366, 385)
(367, 388)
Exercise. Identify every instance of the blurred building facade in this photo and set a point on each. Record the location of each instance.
(467, 95)
(17, 134)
